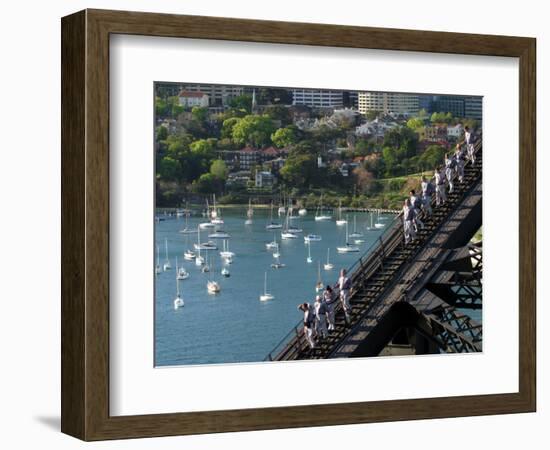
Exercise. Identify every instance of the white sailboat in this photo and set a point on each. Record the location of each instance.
(181, 273)
(266, 295)
(271, 224)
(213, 287)
(225, 253)
(199, 260)
(339, 220)
(206, 267)
(178, 301)
(204, 225)
(277, 264)
(216, 217)
(319, 285)
(309, 259)
(276, 253)
(371, 226)
(287, 232)
(203, 245)
(379, 224)
(225, 272)
(273, 244)
(249, 213)
(167, 265)
(282, 208)
(355, 234)
(157, 267)
(348, 248)
(186, 229)
(302, 211)
(328, 265)
(319, 214)
(189, 255)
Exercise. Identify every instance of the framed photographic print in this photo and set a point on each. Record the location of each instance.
(249, 207)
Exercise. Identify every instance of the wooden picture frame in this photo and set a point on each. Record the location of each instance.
(85, 224)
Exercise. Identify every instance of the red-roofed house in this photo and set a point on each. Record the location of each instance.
(190, 99)
(270, 153)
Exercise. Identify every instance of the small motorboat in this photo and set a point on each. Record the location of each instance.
(225, 272)
(205, 225)
(288, 235)
(189, 255)
(205, 246)
(219, 234)
(312, 237)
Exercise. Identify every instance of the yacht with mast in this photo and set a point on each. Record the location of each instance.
(319, 285)
(339, 220)
(348, 248)
(320, 215)
(266, 295)
(328, 265)
(355, 233)
(215, 215)
(271, 224)
(178, 301)
(158, 270)
(181, 273)
(249, 213)
(167, 265)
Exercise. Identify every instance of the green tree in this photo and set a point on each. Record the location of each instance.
(242, 102)
(390, 158)
(431, 157)
(415, 123)
(218, 168)
(298, 170)
(403, 139)
(169, 168)
(285, 137)
(227, 127)
(199, 114)
(441, 117)
(279, 112)
(206, 184)
(273, 96)
(253, 130)
(162, 133)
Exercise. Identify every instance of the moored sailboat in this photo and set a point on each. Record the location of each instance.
(266, 295)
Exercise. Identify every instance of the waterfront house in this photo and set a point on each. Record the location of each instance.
(190, 99)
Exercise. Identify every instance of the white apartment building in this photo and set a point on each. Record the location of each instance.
(190, 99)
(388, 102)
(318, 98)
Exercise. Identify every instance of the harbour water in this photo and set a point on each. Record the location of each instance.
(234, 325)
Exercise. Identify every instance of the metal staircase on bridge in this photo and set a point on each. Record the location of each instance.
(382, 269)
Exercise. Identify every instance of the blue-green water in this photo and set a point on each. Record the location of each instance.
(234, 325)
